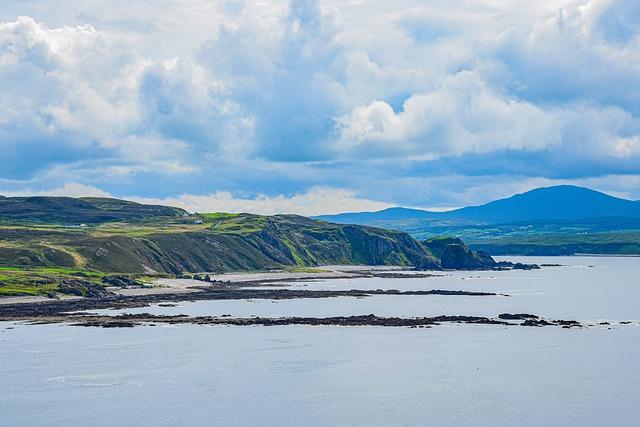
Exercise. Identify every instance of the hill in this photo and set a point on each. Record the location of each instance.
(206, 242)
(563, 202)
(88, 210)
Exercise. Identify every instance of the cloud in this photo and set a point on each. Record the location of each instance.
(463, 115)
(587, 53)
(68, 190)
(264, 99)
(286, 73)
(315, 201)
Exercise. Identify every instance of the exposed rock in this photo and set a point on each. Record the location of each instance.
(536, 322)
(121, 281)
(53, 308)
(519, 316)
(82, 288)
(506, 265)
(455, 255)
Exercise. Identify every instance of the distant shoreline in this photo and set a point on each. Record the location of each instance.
(572, 255)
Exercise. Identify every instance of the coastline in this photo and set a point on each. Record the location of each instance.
(174, 286)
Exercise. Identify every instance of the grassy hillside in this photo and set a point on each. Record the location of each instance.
(613, 243)
(70, 211)
(51, 244)
(208, 242)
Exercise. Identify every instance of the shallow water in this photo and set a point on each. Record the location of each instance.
(587, 289)
(455, 375)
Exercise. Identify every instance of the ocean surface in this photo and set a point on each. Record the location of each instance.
(460, 375)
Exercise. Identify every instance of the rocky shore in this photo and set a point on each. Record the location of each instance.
(146, 319)
(56, 307)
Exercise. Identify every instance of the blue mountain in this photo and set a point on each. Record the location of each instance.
(562, 203)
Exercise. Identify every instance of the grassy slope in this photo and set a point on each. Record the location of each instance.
(42, 280)
(222, 242)
(89, 210)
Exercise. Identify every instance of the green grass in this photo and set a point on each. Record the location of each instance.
(218, 216)
(28, 290)
(54, 271)
(225, 223)
(222, 242)
(41, 281)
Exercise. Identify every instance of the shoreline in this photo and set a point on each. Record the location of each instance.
(245, 286)
(237, 280)
(146, 319)
(54, 308)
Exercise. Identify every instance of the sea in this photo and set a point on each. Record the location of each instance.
(446, 375)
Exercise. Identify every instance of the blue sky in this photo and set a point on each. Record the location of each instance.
(318, 106)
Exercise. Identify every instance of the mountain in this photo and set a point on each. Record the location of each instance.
(87, 210)
(560, 220)
(562, 202)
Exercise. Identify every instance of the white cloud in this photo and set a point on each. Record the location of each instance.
(315, 201)
(68, 190)
(463, 115)
(154, 100)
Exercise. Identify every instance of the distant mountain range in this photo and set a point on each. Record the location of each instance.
(560, 220)
(559, 203)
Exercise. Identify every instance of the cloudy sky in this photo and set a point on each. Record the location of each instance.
(318, 106)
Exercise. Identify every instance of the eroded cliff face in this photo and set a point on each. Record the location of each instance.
(455, 255)
(226, 243)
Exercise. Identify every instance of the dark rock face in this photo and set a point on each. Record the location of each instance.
(518, 316)
(121, 281)
(535, 322)
(82, 288)
(455, 255)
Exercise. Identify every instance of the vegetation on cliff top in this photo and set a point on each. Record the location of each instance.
(180, 243)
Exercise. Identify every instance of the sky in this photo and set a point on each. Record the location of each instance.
(316, 107)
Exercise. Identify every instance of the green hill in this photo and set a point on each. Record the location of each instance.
(69, 241)
(207, 242)
(88, 210)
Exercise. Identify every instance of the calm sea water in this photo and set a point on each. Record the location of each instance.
(300, 375)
